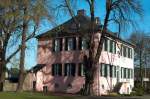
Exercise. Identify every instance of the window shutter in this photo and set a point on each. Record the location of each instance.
(79, 69)
(53, 45)
(111, 69)
(105, 42)
(53, 69)
(124, 51)
(108, 70)
(105, 70)
(121, 72)
(114, 47)
(74, 43)
(102, 69)
(65, 70)
(73, 69)
(131, 53)
(115, 75)
(88, 44)
(110, 46)
(66, 44)
(60, 44)
(80, 43)
(121, 50)
(124, 72)
(60, 70)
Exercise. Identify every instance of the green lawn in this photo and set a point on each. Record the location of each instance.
(28, 95)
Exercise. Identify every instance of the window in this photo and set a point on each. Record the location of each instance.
(57, 45)
(127, 51)
(56, 69)
(108, 70)
(70, 43)
(109, 45)
(126, 73)
(83, 44)
(81, 71)
(69, 69)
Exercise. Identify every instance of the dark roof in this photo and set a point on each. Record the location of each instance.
(79, 25)
(36, 68)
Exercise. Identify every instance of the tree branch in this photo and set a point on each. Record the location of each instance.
(18, 49)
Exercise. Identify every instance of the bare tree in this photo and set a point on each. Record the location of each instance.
(142, 51)
(23, 18)
(118, 11)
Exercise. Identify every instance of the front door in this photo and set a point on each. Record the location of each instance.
(34, 85)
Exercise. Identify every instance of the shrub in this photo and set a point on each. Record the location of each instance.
(138, 91)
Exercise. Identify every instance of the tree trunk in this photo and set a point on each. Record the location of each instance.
(2, 69)
(92, 60)
(22, 60)
(22, 56)
(89, 60)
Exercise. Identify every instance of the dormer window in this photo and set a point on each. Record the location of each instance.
(70, 43)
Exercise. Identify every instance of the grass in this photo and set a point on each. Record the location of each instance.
(29, 95)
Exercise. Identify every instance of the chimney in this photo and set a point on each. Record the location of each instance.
(97, 20)
(81, 12)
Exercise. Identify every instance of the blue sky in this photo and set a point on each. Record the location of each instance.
(144, 25)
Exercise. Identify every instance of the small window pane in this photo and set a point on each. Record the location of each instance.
(81, 71)
(102, 70)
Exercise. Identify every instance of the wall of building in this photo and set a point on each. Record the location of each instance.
(62, 83)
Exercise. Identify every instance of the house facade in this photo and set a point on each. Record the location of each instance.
(62, 49)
